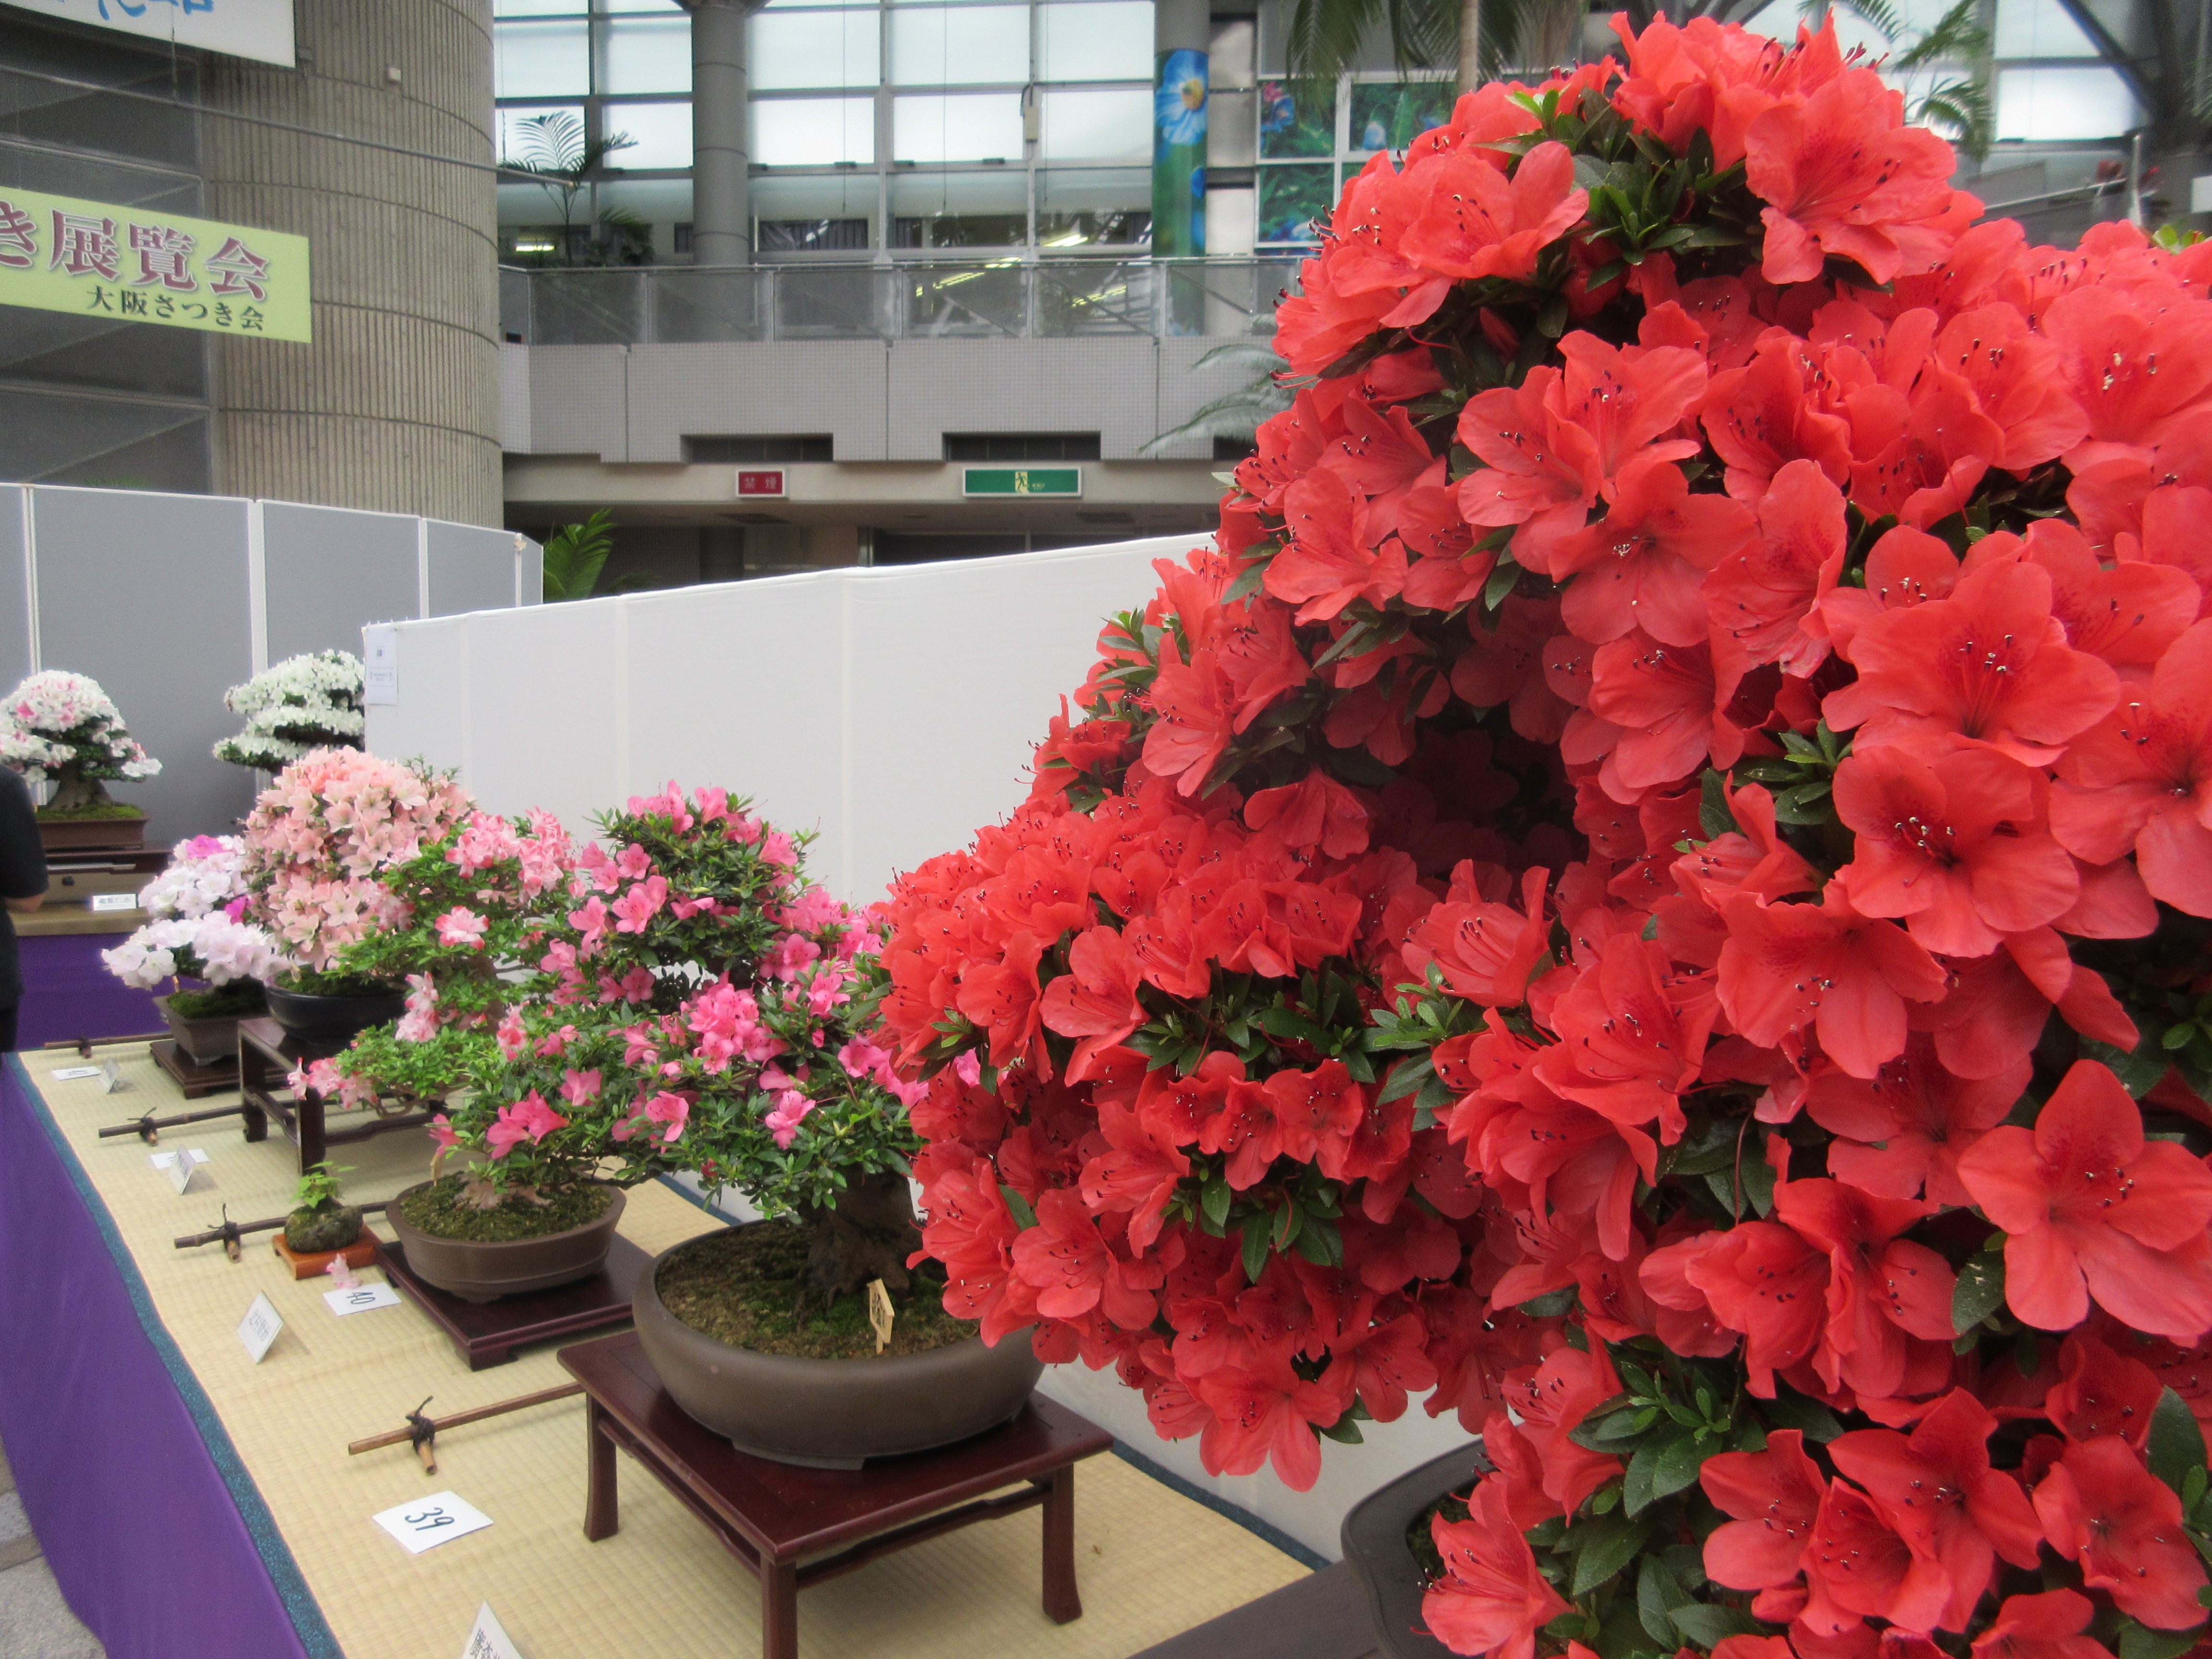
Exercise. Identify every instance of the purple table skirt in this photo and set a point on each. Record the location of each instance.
(153, 1526)
(68, 993)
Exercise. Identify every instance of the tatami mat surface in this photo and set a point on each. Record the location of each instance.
(1151, 1563)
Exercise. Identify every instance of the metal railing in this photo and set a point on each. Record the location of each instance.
(1045, 299)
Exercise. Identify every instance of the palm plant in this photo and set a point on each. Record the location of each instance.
(560, 159)
(1939, 92)
(574, 556)
(1236, 413)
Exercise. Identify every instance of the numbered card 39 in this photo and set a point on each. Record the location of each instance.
(426, 1523)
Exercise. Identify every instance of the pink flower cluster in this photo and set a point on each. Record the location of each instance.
(318, 836)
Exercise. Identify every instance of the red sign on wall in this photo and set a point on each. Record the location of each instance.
(769, 482)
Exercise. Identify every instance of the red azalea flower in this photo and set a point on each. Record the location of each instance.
(1472, 223)
(1331, 560)
(1845, 177)
(1631, 1035)
(1263, 1415)
(1954, 844)
(1858, 1566)
(1773, 411)
(1936, 1487)
(1804, 967)
(1665, 701)
(2100, 1392)
(1760, 1277)
(1539, 472)
(1096, 1000)
(1628, 398)
(2091, 1208)
(1491, 1599)
(1551, 1401)
(1639, 566)
(1901, 1132)
(1760, 599)
(2102, 1510)
(1485, 951)
(1775, 1497)
(2046, 1626)
(1990, 662)
(1880, 1287)
(2141, 780)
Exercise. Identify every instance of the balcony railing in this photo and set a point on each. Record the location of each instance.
(1047, 299)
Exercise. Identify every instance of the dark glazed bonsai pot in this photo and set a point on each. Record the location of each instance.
(1374, 1539)
(834, 1413)
(210, 1042)
(323, 1025)
(479, 1270)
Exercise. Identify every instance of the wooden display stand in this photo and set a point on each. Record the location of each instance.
(313, 1264)
(768, 1514)
(194, 1080)
(488, 1332)
(265, 1058)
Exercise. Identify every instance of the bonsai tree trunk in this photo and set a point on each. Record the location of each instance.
(867, 1234)
(74, 791)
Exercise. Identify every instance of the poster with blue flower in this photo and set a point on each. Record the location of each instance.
(1179, 153)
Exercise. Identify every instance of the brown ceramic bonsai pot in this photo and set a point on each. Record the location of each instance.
(834, 1413)
(86, 835)
(209, 1041)
(1373, 1536)
(479, 1270)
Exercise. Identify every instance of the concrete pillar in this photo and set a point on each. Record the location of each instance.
(721, 157)
(394, 406)
(1181, 33)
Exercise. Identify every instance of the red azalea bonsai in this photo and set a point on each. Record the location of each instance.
(1654, 888)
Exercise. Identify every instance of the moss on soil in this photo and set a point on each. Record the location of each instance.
(312, 1231)
(314, 983)
(437, 1208)
(740, 1286)
(231, 1001)
(98, 812)
(1453, 1507)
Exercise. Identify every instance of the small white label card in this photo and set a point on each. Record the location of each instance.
(113, 1072)
(488, 1639)
(259, 1328)
(361, 1298)
(115, 900)
(379, 655)
(179, 1166)
(426, 1523)
(71, 1074)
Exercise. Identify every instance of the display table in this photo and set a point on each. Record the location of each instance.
(194, 1504)
(265, 1058)
(770, 1514)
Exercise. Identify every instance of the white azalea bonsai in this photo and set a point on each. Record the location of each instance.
(313, 701)
(61, 728)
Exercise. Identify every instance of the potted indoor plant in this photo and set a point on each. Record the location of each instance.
(320, 1228)
(316, 841)
(61, 728)
(705, 1014)
(195, 932)
(1653, 888)
(310, 702)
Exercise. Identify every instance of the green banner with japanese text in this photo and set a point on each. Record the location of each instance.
(149, 265)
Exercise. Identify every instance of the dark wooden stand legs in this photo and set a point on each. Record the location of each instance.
(779, 1593)
(1061, 1603)
(602, 1503)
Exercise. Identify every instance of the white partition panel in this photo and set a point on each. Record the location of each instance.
(893, 711)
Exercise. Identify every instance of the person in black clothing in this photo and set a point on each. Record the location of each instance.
(22, 887)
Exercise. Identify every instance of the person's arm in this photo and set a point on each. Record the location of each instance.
(22, 858)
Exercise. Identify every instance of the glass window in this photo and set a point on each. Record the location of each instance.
(1294, 200)
(550, 135)
(644, 54)
(2053, 103)
(960, 46)
(960, 209)
(973, 127)
(1108, 205)
(537, 8)
(2039, 28)
(1389, 115)
(813, 132)
(1285, 129)
(1095, 40)
(1096, 125)
(549, 59)
(802, 5)
(814, 49)
(843, 195)
(660, 134)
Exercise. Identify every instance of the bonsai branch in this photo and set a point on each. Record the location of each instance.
(867, 1234)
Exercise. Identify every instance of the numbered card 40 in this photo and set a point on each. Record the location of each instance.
(426, 1523)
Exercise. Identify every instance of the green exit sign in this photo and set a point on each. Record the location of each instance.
(1023, 480)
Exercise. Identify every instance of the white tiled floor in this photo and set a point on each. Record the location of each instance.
(35, 1623)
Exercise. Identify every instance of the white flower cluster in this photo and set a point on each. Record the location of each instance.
(304, 702)
(56, 717)
(196, 932)
(211, 947)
